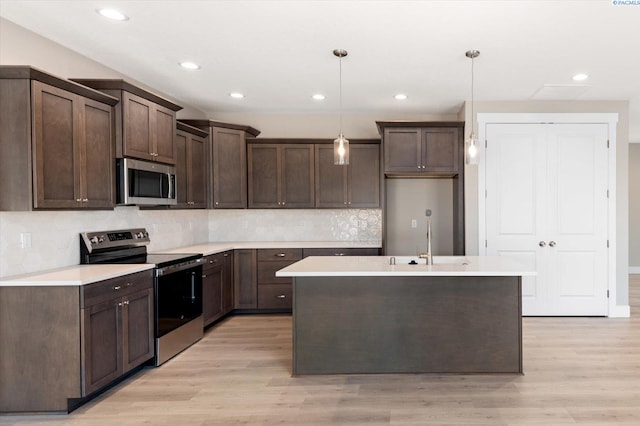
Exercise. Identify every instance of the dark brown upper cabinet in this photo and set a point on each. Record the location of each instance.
(145, 122)
(227, 153)
(421, 148)
(280, 175)
(191, 167)
(354, 186)
(57, 149)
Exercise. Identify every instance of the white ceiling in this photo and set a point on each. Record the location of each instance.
(279, 53)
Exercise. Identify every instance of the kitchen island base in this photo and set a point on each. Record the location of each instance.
(405, 324)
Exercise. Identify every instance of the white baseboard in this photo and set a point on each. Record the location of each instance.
(620, 311)
(634, 269)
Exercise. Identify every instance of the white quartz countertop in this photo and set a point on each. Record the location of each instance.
(74, 275)
(374, 266)
(86, 274)
(213, 248)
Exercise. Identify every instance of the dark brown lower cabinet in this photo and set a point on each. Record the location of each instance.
(217, 286)
(118, 329)
(274, 293)
(244, 279)
(78, 340)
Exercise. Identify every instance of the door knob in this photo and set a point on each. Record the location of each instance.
(552, 243)
(542, 244)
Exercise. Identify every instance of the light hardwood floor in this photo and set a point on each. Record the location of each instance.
(577, 370)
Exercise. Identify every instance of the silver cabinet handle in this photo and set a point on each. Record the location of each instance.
(120, 304)
(78, 200)
(552, 243)
(281, 296)
(542, 244)
(338, 254)
(129, 284)
(84, 200)
(118, 287)
(204, 275)
(126, 302)
(280, 255)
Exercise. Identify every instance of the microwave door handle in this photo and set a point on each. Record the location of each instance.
(171, 186)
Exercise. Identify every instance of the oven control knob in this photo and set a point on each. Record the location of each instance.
(101, 239)
(140, 234)
(94, 240)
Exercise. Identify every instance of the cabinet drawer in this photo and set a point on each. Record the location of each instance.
(212, 261)
(267, 272)
(341, 252)
(275, 296)
(116, 287)
(279, 254)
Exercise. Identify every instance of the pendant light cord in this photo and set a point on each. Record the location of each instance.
(340, 68)
(473, 118)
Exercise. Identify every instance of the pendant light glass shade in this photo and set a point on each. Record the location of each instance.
(341, 144)
(471, 144)
(341, 150)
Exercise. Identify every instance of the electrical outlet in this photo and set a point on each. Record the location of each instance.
(25, 240)
(414, 223)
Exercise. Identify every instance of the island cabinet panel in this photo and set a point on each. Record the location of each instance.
(341, 325)
(274, 293)
(354, 186)
(245, 279)
(217, 286)
(117, 328)
(281, 175)
(191, 168)
(145, 122)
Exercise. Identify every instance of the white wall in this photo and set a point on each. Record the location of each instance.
(622, 173)
(634, 207)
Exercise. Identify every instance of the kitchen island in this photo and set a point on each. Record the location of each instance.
(366, 315)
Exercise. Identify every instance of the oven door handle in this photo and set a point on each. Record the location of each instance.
(193, 287)
(176, 268)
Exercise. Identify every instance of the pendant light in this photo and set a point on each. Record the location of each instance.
(341, 144)
(471, 143)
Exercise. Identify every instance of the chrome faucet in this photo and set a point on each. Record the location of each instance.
(428, 255)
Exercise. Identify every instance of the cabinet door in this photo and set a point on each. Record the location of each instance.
(402, 150)
(98, 152)
(163, 132)
(229, 168)
(137, 116)
(102, 343)
(137, 331)
(264, 175)
(440, 150)
(212, 278)
(57, 153)
(364, 176)
(297, 176)
(227, 283)
(331, 180)
(198, 173)
(182, 170)
(245, 282)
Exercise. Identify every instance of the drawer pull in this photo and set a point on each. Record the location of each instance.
(280, 255)
(129, 284)
(118, 287)
(126, 302)
(338, 254)
(120, 304)
(281, 296)
(204, 276)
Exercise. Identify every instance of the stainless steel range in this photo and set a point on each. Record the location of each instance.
(177, 284)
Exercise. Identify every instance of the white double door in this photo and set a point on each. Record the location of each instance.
(546, 205)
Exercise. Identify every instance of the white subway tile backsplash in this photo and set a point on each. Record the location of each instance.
(55, 234)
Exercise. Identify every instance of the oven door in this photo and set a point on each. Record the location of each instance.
(178, 298)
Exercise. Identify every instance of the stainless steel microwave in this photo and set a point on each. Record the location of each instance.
(145, 183)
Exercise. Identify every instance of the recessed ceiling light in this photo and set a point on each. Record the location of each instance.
(400, 96)
(318, 97)
(113, 14)
(236, 95)
(580, 77)
(190, 65)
